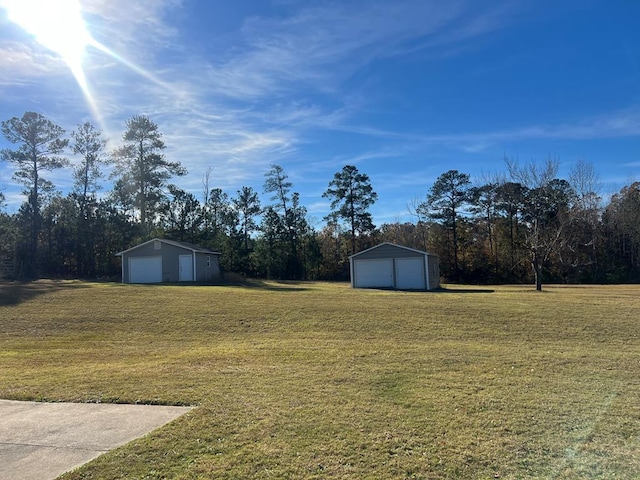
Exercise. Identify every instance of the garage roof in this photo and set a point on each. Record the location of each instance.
(392, 245)
(185, 245)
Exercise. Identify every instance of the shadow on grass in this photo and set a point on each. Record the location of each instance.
(269, 285)
(438, 290)
(258, 284)
(13, 292)
(463, 290)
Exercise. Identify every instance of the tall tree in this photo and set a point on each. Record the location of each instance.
(351, 196)
(545, 211)
(58, 236)
(415, 210)
(247, 205)
(182, 215)
(91, 147)
(446, 197)
(300, 229)
(216, 213)
(40, 144)
(8, 234)
(143, 170)
(622, 222)
(277, 183)
(89, 144)
(510, 203)
(292, 217)
(206, 189)
(271, 251)
(484, 200)
(585, 231)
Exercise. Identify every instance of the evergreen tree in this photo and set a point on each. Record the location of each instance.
(351, 196)
(216, 212)
(181, 215)
(91, 147)
(291, 215)
(510, 198)
(40, 144)
(445, 200)
(247, 206)
(622, 223)
(143, 171)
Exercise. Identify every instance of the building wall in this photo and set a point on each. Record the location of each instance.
(383, 251)
(433, 273)
(207, 267)
(170, 259)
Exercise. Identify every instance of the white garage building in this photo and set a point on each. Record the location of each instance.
(396, 267)
(160, 260)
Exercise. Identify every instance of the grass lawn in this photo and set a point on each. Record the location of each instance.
(318, 381)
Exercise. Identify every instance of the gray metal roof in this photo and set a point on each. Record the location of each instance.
(185, 245)
(391, 245)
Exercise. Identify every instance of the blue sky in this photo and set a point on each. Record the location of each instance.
(404, 89)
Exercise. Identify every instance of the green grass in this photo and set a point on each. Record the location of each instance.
(318, 381)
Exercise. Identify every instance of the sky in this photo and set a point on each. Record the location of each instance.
(405, 90)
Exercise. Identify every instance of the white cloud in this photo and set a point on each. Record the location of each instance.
(132, 28)
(22, 64)
(285, 78)
(621, 123)
(320, 47)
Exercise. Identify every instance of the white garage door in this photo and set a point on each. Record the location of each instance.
(145, 270)
(410, 273)
(373, 273)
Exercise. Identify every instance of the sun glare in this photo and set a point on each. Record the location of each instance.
(56, 24)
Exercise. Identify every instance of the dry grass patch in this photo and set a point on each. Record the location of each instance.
(315, 380)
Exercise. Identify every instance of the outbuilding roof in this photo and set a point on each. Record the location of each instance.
(185, 245)
(392, 245)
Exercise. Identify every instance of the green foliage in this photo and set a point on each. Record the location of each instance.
(40, 144)
(622, 222)
(447, 196)
(143, 170)
(181, 215)
(89, 144)
(351, 196)
(284, 227)
(528, 225)
(247, 204)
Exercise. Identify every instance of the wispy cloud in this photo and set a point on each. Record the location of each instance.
(24, 63)
(624, 123)
(316, 48)
(322, 46)
(617, 124)
(285, 78)
(136, 29)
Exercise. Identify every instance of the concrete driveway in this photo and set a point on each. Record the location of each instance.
(40, 441)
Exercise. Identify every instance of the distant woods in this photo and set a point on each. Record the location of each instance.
(525, 225)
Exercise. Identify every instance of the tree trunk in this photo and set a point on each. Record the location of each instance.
(537, 270)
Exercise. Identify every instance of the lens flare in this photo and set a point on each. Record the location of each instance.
(59, 26)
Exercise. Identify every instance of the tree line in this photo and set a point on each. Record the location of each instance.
(525, 225)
